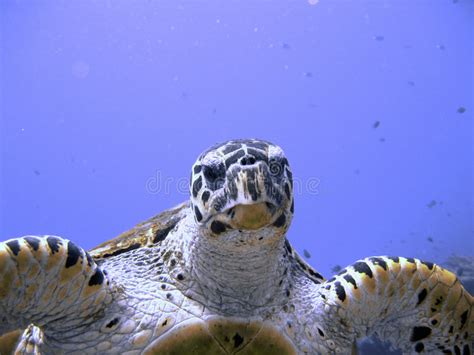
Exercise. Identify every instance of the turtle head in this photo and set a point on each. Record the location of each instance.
(242, 185)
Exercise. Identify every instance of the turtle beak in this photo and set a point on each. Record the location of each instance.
(251, 216)
(251, 198)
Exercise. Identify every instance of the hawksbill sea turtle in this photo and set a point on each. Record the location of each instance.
(216, 275)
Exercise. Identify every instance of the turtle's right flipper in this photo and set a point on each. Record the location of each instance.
(50, 282)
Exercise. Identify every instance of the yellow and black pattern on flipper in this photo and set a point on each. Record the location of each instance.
(43, 277)
(418, 306)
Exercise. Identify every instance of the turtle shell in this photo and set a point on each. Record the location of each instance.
(144, 234)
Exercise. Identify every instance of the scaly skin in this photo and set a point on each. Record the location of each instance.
(218, 276)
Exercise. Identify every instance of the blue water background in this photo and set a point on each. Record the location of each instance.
(106, 104)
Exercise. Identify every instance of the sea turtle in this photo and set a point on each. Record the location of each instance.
(216, 275)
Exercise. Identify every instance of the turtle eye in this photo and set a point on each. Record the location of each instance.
(215, 175)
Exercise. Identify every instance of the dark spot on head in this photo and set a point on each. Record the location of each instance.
(422, 296)
(73, 254)
(180, 277)
(280, 221)
(419, 347)
(164, 323)
(247, 160)
(457, 351)
(434, 321)
(205, 196)
(363, 268)
(54, 244)
(169, 296)
(197, 185)
(14, 246)
(234, 157)
(163, 286)
(97, 278)
(33, 242)
(197, 169)
(217, 227)
(321, 333)
(238, 340)
(215, 176)
(197, 213)
(411, 260)
(420, 333)
(340, 291)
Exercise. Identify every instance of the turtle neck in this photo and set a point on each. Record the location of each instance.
(235, 272)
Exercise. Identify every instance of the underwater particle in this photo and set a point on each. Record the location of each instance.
(308, 74)
(285, 46)
(411, 83)
(382, 139)
(376, 124)
(37, 172)
(441, 47)
(336, 268)
(80, 69)
(461, 110)
(313, 2)
(306, 254)
(431, 204)
(214, 111)
(430, 239)
(357, 171)
(379, 38)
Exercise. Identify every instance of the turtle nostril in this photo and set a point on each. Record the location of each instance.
(247, 160)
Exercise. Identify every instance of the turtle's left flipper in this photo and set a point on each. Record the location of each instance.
(49, 282)
(418, 306)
